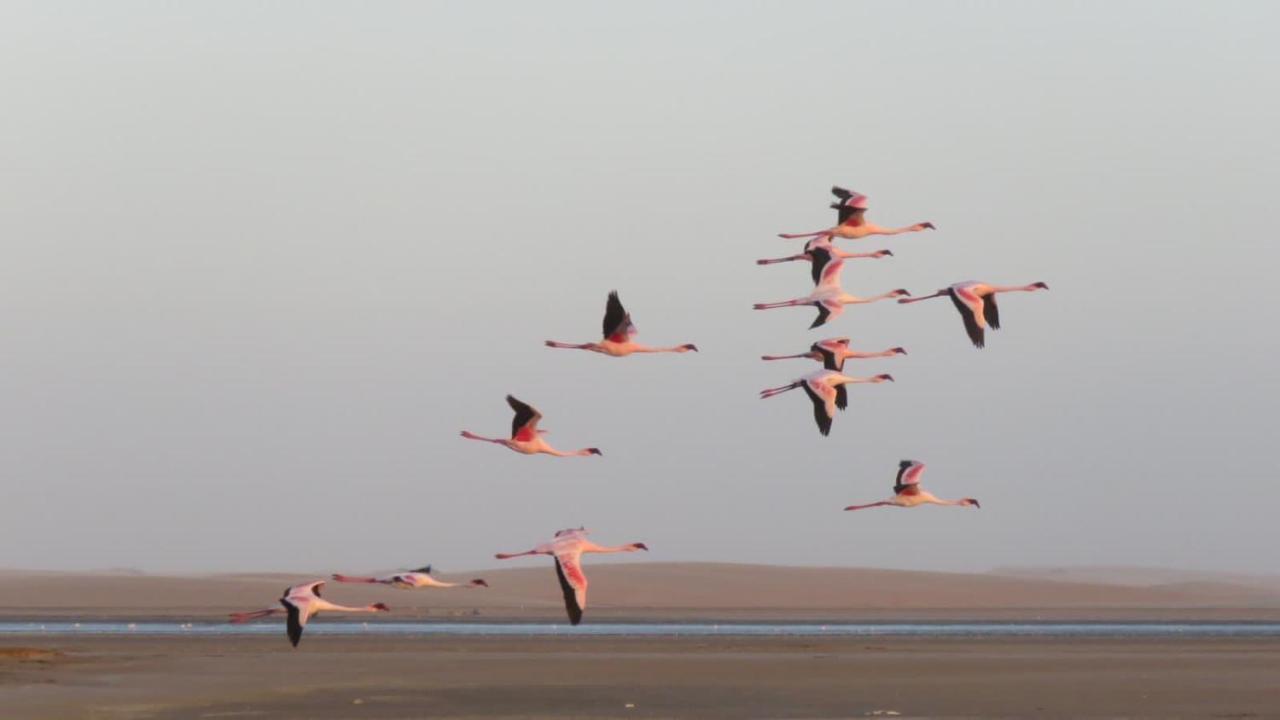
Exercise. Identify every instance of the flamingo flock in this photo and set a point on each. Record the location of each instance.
(827, 390)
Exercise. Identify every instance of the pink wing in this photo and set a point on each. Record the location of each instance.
(913, 473)
(573, 583)
(974, 302)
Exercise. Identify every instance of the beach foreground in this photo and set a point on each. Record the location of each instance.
(343, 677)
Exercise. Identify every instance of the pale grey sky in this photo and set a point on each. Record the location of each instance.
(262, 261)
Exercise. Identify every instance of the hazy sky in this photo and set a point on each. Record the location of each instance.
(260, 263)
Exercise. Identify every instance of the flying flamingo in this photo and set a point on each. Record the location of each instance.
(907, 492)
(303, 602)
(526, 437)
(826, 389)
(618, 331)
(567, 547)
(832, 353)
(824, 241)
(828, 297)
(410, 580)
(977, 304)
(852, 223)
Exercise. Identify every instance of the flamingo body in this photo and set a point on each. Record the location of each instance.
(907, 492)
(301, 603)
(526, 438)
(976, 303)
(567, 548)
(618, 332)
(826, 391)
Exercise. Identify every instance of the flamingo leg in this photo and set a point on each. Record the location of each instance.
(809, 355)
(784, 303)
(472, 436)
(242, 617)
(770, 392)
(507, 556)
(871, 505)
(790, 258)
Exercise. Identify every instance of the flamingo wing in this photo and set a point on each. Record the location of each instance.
(823, 405)
(842, 397)
(970, 308)
(830, 360)
(526, 420)
(617, 325)
(573, 583)
(990, 312)
(826, 268)
(825, 312)
(908, 481)
(296, 621)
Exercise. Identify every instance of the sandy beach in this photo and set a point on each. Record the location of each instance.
(628, 678)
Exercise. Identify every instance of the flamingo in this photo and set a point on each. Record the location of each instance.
(410, 580)
(526, 437)
(828, 297)
(826, 389)
(567, 547)
(618, 331)
(977, 304)
(832, 353)
(824, 241)
(851, 221)
(907, 492)
(303, 602)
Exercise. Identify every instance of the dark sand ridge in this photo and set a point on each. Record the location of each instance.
(656, 590)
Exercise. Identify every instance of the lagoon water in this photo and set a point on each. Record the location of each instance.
(411, 629)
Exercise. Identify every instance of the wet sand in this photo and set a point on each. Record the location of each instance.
(335, 677)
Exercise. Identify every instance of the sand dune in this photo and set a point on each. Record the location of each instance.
(638, 590)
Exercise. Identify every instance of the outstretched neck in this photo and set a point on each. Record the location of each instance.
(1018, 288)
(629, 547)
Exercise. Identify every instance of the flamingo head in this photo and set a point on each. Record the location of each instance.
(1040, 285)
(594, 451)
(479, 583)
(689, 346)
(900, 292)
(898, 351)
(380, 607)
(639, 546)
(884, 253)
(883, 377)
(971, 501)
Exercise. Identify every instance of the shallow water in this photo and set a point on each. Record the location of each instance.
(411, 629)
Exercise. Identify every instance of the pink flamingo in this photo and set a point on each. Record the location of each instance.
(618, 331)
(824, 242)
(410, 580)
(977, 305)
(907, 492)
(526, 437)
(303, 602)
(826, 390)
(852, 223)
(832, 353)
(567, 547)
